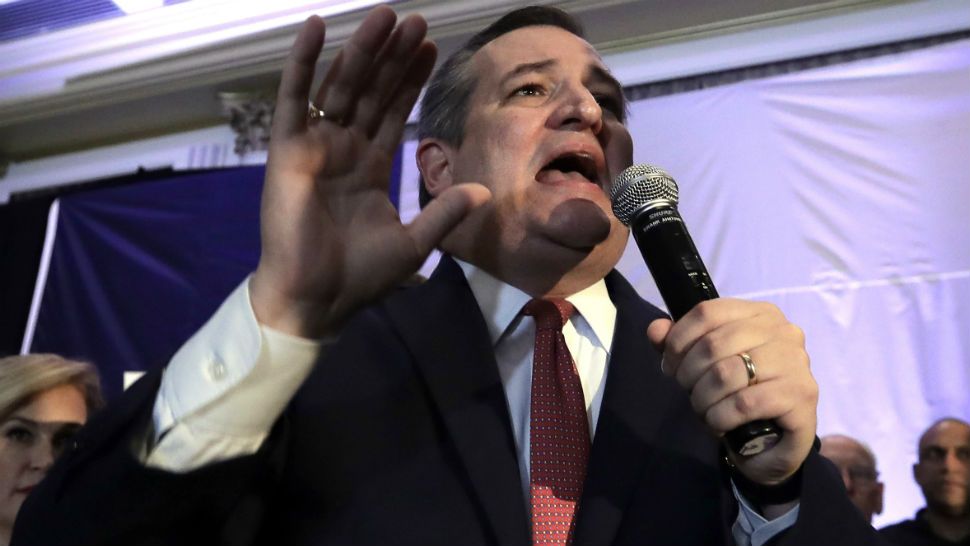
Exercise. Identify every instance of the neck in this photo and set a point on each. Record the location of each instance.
(952, 528)
(542, 279)
(5, 532)
(562, 288)
(534, 264)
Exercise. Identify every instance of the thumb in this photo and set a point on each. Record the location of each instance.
(657, 334)
(443, 213)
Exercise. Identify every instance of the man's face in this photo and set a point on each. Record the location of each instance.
(943, 470)
(858, 473)
(544, 133)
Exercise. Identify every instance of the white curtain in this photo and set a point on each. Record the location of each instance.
(840, 194)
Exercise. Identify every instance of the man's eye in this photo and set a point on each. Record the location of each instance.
(934, 454)
(529, 90)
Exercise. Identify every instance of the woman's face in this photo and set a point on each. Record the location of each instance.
(30, 439)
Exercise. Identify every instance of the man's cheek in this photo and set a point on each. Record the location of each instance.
(618, 148)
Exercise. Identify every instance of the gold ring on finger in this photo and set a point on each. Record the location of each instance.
(749, 367)
(313, 112)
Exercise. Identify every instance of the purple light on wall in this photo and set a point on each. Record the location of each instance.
(29, 17)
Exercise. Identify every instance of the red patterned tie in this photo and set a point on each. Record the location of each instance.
(559, 431)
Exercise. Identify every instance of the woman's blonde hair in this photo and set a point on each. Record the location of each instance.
(24, 377)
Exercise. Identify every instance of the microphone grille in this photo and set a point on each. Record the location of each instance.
(638, 186)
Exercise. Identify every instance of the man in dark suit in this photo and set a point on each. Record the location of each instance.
(943, 474)
(422, 421)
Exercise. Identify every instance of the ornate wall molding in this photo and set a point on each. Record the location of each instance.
(250, 116)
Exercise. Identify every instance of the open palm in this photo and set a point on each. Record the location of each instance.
(331, 239)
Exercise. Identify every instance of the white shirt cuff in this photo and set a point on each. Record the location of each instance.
(224, 389)
(752, 529)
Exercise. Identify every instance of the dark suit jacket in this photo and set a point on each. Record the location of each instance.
(401, 435)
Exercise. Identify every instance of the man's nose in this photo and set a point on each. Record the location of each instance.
(578, 109)
(953, 463)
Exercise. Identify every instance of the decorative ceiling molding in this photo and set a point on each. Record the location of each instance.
(155, 34)
(46, 64)
(147, 75)
(184, 45)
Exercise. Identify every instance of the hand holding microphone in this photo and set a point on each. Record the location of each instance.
(743, 363)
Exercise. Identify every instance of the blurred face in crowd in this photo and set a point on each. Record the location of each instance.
(545, 134)
(30, 439)
(858, 469)
(943, 470)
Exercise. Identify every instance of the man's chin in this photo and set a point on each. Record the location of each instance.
(952, 507)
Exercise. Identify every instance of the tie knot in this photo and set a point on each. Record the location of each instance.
(549, 314)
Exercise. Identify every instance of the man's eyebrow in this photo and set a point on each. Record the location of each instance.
(526, 68)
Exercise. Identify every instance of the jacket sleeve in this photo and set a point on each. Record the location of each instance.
(99, 493)
(826, 515)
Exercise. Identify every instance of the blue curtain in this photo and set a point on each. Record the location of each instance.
(135, 270)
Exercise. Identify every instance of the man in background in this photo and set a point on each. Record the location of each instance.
(943, 473)
(857, 464)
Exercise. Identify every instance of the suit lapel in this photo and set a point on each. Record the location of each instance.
(634, 403)
(442, 325)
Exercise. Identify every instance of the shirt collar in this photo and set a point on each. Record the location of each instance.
(500, 304)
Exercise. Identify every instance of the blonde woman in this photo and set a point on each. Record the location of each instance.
(44, 399)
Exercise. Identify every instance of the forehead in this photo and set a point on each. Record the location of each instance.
(843, 448)
(64, 403)
(531, 45)
(946, 434)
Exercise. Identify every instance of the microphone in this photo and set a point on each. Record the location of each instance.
(645, 199)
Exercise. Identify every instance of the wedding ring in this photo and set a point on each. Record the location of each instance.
(313, 112)
(749, 367)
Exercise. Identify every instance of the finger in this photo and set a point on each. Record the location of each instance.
(291, 102)
(390, 68)
(780, 399)
(726, 341)
(763, 401)
(443, 213)
(321, 96)
(656, 333)
(709, 315)
(724, 378)
(391, 123)
(344, 79)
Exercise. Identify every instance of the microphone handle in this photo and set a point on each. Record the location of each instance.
(683, 282)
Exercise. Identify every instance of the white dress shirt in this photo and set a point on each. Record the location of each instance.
(513, 337)
(224, 389)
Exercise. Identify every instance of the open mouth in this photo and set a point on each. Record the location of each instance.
(571, 166)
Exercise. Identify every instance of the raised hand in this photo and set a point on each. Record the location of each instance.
(331, 239)
(701, 351)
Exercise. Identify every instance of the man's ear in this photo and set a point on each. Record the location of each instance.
(434, 161)
(877, 491)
